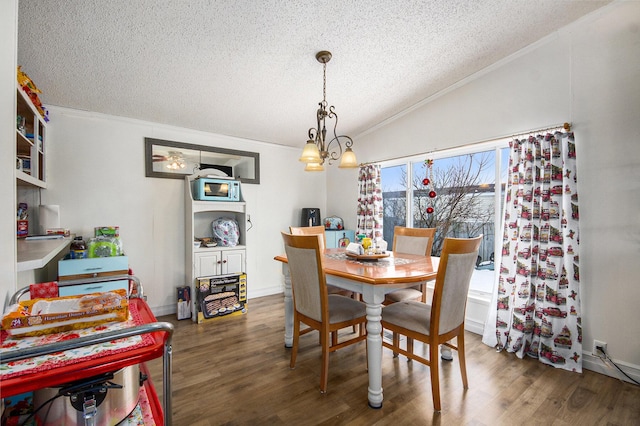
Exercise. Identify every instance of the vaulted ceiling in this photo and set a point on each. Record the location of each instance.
(247, 68)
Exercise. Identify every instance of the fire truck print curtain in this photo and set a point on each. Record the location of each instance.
(370, 213)
(536, 310)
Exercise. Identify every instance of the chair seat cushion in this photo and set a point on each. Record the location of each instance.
(343, 308)
(403, 295)
(414, 316)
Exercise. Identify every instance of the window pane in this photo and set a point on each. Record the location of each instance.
(464, 206)
(464, 202)
(394, 196)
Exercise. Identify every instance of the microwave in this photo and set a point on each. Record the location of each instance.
(216, 189)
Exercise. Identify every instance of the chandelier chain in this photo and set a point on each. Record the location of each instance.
(324, 83)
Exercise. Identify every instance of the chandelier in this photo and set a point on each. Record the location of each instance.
(317, 149)
(176, 160)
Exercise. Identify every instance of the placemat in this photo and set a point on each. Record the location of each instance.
(60, 359)
(384, 262)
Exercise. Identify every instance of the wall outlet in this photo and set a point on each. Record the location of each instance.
(599, 344)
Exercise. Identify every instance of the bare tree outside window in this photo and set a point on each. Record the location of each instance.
(463, 207)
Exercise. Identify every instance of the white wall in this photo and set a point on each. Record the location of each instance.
(97, 176)
(587, 74)
(8, 43)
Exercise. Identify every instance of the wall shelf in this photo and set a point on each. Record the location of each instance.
(36, 254)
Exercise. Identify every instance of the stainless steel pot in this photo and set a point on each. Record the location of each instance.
(97, 401)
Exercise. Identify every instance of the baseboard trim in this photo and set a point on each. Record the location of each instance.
(159, 311)
(598, 365)
(252, 294)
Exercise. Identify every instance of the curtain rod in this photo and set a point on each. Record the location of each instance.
(566, 126)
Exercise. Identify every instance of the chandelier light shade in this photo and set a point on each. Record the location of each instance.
(348, 160)
(314, 167)
(317, 150)
(310, 153)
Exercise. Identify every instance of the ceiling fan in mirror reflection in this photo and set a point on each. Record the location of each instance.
(175, 160)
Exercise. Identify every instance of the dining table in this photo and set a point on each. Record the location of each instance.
(372, 277)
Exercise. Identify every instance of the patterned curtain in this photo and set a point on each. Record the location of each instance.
(370, 213)
(537, 301)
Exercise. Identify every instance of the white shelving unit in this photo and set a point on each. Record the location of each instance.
(210, 261)
(30, 142)
(30, 176)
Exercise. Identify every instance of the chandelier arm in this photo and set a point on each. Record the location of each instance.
(336, 152)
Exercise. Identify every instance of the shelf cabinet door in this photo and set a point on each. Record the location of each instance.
(207, 264)
(233, 261)
(219, 263)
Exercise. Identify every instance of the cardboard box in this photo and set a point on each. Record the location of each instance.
(184, 303)
(221, 296)
(23, 228)
(18, 410)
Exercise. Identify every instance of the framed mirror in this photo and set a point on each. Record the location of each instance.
(175, 160)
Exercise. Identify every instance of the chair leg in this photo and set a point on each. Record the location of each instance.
(396, 343)
(296, 339)
(461, 359)
(324, 369)
(409, 347)
(435, 376)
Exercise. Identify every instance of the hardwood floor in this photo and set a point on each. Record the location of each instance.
(235, 371)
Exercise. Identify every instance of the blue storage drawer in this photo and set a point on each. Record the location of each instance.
(73, 269)
(92, 267)
(74, 290)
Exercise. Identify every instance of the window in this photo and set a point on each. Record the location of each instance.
(394, 199)
(468, 200)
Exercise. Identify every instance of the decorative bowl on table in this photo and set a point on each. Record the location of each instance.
(372, 256)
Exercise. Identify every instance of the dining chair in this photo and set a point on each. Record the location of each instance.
(412, 241)
(442, 320)
(319, 230)
(314, 306)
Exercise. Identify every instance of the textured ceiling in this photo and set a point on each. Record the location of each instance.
(247, 68)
